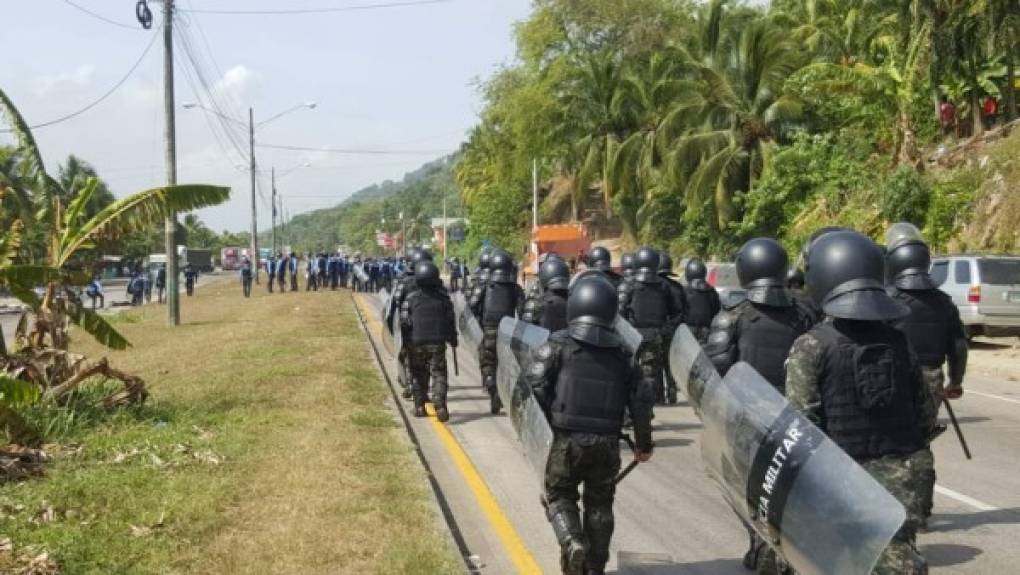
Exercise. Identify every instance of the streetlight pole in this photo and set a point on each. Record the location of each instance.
(170, 137)
(273, 180)
(254, 213)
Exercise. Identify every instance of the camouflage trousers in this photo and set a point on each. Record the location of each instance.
(488, 358)
(900, 474)
(664, 344)
(649, 359)
(591, 460)
(936, 382)
(428, 361)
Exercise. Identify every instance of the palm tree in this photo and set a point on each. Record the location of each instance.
(70, 232)
(74, 175)
(739, 114)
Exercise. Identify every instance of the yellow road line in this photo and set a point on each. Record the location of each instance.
(518, 552)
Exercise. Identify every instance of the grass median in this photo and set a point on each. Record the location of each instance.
(266, 447)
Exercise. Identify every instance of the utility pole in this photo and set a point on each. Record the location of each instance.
(446, 237)
(534, 193)
(254, 220)
(273, 179)
(170, 137)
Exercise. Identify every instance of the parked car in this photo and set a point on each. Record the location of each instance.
(723, 277)
(986, 289)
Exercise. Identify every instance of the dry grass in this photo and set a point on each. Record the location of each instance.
(269, 450)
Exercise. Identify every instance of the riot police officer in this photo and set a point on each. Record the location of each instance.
(547, 307)
(282, 263)
(761, 328)
(795, 285)
(585, 381)
(271, 264)
(427, 314)
(600, 259)
(481, 275)
(702, 300)
(246, 276)
(499, 297)
(856, 377)
(648, 304)
(933, 327)
(677, 289)
(627, 265)
(405, 287)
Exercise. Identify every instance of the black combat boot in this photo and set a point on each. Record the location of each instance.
(442, 414)
(671, 395)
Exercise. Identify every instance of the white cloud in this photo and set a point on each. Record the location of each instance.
(239, 84)
(50, 83)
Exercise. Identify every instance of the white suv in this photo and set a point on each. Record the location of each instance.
(986, 289)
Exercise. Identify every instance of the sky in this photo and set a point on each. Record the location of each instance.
(403, 80)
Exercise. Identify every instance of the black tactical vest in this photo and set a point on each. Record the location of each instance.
(591, 389)
(927, 326)
(679, 296)
(428, 317)
(554, 310)
(702, 305)
(867, 389)
(766, 336)
(500, 302)
(648, 305)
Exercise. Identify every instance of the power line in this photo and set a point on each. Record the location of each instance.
(355, 151)
(101, 17)
(282, 12)
(101, 98)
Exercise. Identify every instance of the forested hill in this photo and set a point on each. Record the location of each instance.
(354, 222)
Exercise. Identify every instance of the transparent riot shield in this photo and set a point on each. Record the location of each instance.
(780, 473)
(517, 342)
(629, 335)
(468, 326)
(359, 271)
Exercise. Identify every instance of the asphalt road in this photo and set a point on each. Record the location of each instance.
(670, 517)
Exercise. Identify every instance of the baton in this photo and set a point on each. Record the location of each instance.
(456, 366)
(630, 466)
(956, 427)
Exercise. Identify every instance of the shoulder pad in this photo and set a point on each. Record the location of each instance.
(724, 320)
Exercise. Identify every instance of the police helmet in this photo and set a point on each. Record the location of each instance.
(795, 279)
(554, 274)
(591, 311)
(426, 274)
(845, 278)
(600, 258)
(695, 270)
(484, 257)
(665, 264)
(761, 268)
(627, 264)
(502, 268)
(907, 258)
(646, 265)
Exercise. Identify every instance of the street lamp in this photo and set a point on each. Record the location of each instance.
(251, 156)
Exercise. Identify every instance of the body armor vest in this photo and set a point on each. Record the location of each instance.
(648, 306)
(766, 336)
(927, 326)
(868, 391)
(429, 310)
(701, 306)
(591, 389)
(500, 302)
(554, 311)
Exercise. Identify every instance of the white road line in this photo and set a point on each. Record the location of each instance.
(983, 394)
(979, 505)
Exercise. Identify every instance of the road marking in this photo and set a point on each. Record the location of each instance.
(979, 505)
(518, 552)
(983, 394)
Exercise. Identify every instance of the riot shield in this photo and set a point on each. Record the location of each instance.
(518, 340)
(359, 272)
(629, 335)
(391, 334)
(468, 326)
(780, 473)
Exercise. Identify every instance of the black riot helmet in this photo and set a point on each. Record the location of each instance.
(907, 258)
(695, 272)
(795, 279)
(627, 264)
(548, 256)
(426, 274)
(502, 268)
(761, 267)
(421, 255)
(554, 274)
(591, 311)
(646, 265)
(599, 258)
(805, 252)
(845, 278)
(665, 264)
(484, 257)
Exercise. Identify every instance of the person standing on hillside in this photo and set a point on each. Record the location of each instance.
(947, 117)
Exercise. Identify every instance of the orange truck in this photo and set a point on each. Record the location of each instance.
(570, 241)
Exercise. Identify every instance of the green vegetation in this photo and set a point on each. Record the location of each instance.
(698, 126)
(255, 455)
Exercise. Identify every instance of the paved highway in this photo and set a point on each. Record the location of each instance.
(670, 517)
